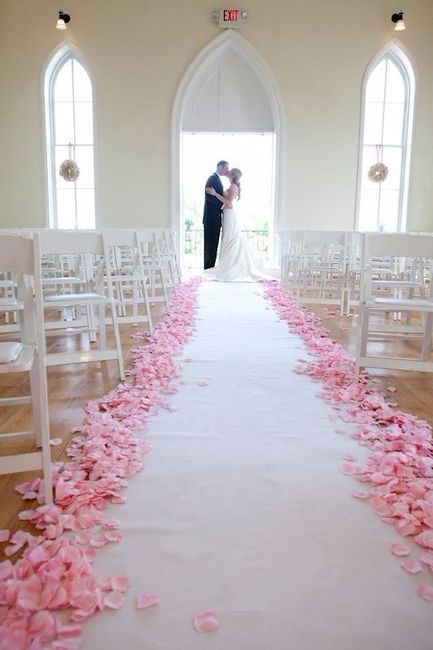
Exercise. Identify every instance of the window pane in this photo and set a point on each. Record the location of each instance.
(393, 124)
(392, 159)
(395, 90)
(86, 209)
(84, 123)
(84, 159)
(369, 209)
(82, 84)
(373, 123)
(375, 90)
(388, 218)
(66, 208)
(64, 123)
(63, 83)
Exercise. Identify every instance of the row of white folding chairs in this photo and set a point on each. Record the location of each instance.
(142, 264)
(89, 277)
(317, 266)
(387, 276)
(395, 302)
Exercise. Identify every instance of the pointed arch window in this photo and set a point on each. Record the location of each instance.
(69, 129)
(387, 115)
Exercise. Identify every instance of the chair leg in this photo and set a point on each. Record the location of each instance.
(427, 340)
(41, 421)
(117, 339)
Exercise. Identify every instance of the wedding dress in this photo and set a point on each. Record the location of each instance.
(235, 262)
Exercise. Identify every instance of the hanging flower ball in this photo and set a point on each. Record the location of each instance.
(378, 172)
(69, 170)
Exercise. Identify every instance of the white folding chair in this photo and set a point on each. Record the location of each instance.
(154, 264)
(396, 280)
(315, 272)
(96, 292)
(130, 283)
(167, 252)
(20, 255)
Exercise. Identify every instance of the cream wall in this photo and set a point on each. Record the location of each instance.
(138, 51)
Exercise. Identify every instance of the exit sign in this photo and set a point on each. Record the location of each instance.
(230, 18)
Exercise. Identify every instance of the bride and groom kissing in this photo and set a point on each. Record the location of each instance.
(235, 261)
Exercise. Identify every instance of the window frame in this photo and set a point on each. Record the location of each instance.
(52, 68)
(395, 53)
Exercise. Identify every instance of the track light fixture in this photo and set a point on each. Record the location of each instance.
(399, 22)
(62, 20)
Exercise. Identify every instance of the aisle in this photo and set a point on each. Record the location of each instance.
(242, 509)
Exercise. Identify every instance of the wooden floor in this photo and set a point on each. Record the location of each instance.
(70, 387)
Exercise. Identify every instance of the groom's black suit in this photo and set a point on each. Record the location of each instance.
(212, 221)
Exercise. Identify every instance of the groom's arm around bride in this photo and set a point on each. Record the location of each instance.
(212, 215)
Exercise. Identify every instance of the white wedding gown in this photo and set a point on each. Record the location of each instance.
(235, 262)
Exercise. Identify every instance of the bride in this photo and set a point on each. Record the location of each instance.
(235, 262)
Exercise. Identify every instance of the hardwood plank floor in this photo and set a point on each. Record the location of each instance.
(70, 387)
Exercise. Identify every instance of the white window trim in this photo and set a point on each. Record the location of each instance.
(400, 57)
(60, 55)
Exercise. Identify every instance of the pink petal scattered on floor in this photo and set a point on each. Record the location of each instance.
(54, 442)
(205, 622)
(426, 592)
(114, 599)
(359, 494)
(411, 566)
(399, 549)
(147, 599)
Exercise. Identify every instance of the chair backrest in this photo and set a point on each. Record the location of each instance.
(119, 236)
(324, 237)
(17, 254)
(71, 242)
(397, 245)
(20, 255)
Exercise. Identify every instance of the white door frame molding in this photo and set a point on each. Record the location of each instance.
(229, 39)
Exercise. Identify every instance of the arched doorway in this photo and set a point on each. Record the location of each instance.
(228, 89)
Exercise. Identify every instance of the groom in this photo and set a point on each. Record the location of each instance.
(212, 215)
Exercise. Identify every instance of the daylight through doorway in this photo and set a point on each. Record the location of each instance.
(254, 155)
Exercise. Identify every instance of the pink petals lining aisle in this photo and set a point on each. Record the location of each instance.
(55, 572)
(398, 475)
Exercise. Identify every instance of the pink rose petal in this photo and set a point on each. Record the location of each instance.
(114, 600)
(399, 549)
(205, 622)
(411, 566)
(426, 592)
(147, 599)
(54, 442)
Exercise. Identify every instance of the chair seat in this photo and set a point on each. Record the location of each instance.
(398, 283)
(16, 359)
(401, 304)
(8, 302)
(9, 351)
(74, 298)
(64, 279)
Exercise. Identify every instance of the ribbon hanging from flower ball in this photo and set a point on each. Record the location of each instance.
(69, 169)
(378, 172)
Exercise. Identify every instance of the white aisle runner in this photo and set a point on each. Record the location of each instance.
(242, 509)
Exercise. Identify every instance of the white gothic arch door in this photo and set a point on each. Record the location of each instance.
(247, 101)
